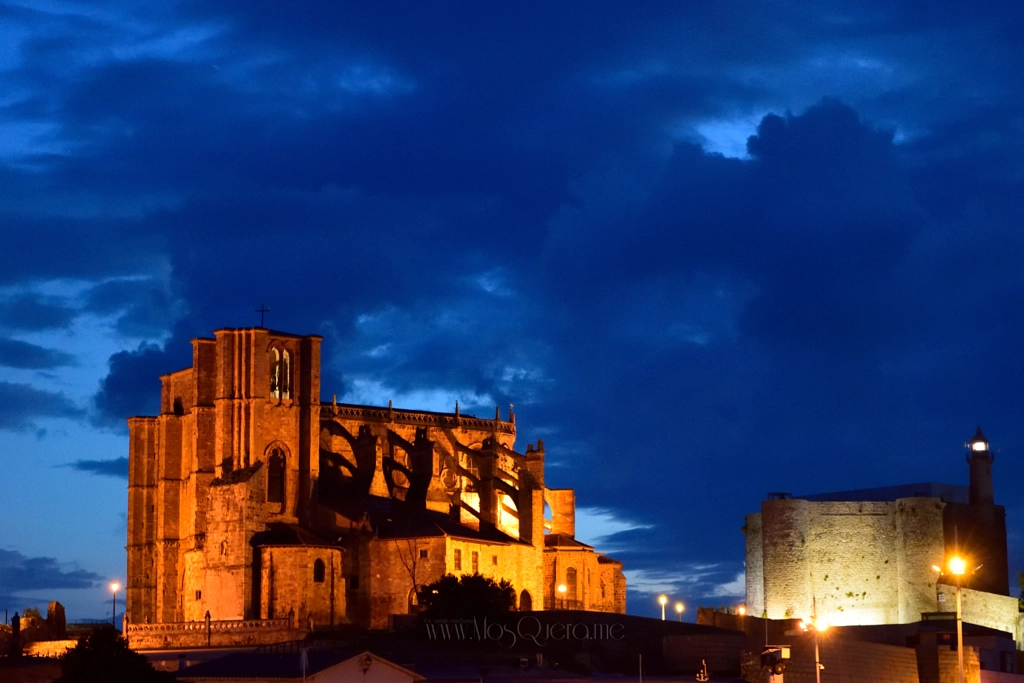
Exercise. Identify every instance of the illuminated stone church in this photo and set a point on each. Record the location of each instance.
(250, 503)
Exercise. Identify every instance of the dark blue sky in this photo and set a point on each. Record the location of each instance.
(707, 251)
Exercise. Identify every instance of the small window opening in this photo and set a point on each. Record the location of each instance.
(199, 595)
(275, 373)
(476, 562)
(423, 553)
(494, 560)
(318, 571)
(458, 560)
(179, 407)
(275, 477)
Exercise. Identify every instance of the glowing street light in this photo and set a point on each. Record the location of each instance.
(663, 600)
(114, 586)
(817, 626)
(561, 593)
(957, 566)
(742, 610)
(679, 610)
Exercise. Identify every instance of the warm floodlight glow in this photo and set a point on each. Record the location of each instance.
(561, 588)
(114, 586)
(742, 610)
(662, 600)
(679, 607)
(821, 625)
(937, 568)
(957, 566)
(803, 625)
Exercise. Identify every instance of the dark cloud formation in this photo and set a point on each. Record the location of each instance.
(133, 385)
(28, 312)
(19, 354)
(118, 467)
(19, 573)
(23, 405)
(526, 204)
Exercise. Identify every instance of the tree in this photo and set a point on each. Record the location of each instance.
(104, 657)
(472, 595)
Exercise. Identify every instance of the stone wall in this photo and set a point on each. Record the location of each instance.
(563, 510)
(1000, 612)
(289, 585)
(49, 648)
(220, 634)
(852, 562)
(919, 545)
(787, 585)
(949, 666)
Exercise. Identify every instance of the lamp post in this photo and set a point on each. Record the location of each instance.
(679, 610)
(561, 593)
(817, 625)
(663, 600)
(957, 567)
(114, 585)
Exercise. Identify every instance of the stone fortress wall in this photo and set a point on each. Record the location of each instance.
(860, 562)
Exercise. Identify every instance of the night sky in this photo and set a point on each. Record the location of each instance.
(709, 250)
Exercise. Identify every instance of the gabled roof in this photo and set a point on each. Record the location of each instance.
(564, 541)
(284, 534)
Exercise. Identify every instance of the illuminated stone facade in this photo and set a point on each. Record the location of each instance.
(866, 557)
(248, 499)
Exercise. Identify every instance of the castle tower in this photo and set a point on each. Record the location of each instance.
(980, 458)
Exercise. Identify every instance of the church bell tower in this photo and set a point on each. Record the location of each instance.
(980, 458)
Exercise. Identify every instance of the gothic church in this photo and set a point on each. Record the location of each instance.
(257, 510)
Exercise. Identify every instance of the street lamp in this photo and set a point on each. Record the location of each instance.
(114, 585)
(561, 593)
(679, 610)
(663, 600)
(818, 626)
(957, 566)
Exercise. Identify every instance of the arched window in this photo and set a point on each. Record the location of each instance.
(286, 375)
(318, 571)
(275, 477)
(570, 583)
(525, 602)
(275, 373)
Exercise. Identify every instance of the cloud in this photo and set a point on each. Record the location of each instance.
(132, 387)
(19, 574)
(33, 312)
(118, 467)
(19, 354)
(22, 404)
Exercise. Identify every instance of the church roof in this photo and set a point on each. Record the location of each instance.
(564, 541)
(281, 533)
(237, 476)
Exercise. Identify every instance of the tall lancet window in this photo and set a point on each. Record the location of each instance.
(275, 477)
(286, 375)
(275, 373)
